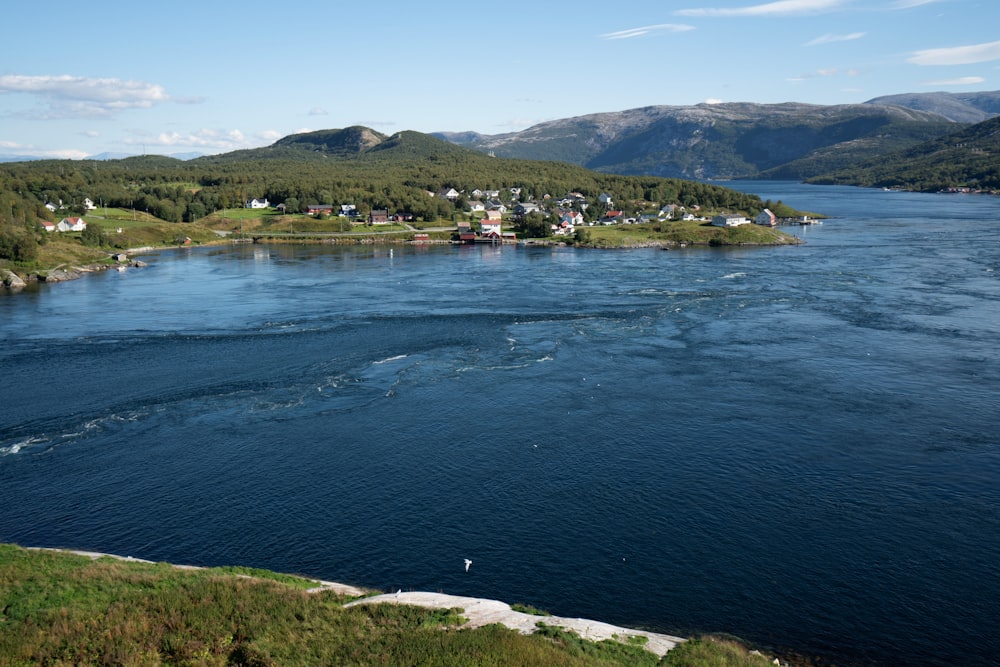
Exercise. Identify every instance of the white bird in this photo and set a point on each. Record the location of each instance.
(468, 563)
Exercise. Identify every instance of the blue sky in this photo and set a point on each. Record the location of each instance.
(79, 79)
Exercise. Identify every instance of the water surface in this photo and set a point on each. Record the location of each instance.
(796, 445)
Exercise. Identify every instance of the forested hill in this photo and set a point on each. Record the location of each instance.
(355, 144)
(968, 158)
(355, 166)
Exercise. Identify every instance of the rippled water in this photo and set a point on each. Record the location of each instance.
(800, 446)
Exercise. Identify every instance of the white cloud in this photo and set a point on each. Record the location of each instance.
(647, 29)
(957, 55)
(778, 8)
(318, 111)
(909, 4)
(960, 81)
(830, 38)
(206, 138)
(714, 100)
(14, 148)
(74, 96)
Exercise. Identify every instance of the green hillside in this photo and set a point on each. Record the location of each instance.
(968, 158)
(60, 608)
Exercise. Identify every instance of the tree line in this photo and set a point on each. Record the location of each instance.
(186, 191)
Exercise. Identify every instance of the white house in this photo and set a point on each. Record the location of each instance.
(766, 218)
(490, 227)
(89, 205)
(605, 199)
(451, 194)
(572, 218)
(48, 226)
(477, 206)
(71, 225)
(257, 203)
(730, 220)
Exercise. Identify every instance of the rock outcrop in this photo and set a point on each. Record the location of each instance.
(11, 279)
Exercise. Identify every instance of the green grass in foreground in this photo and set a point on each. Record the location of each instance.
(60, 609)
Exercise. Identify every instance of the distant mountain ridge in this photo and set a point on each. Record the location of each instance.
(738, 140)
(957, 107)
(703, 142)
(99, 156)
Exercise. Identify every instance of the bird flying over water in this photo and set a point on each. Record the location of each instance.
(468, 563)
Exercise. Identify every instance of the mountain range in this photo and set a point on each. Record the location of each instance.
(851, 143)
(740, 140)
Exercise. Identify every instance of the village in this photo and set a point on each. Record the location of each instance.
(486, 214)
(480, 216)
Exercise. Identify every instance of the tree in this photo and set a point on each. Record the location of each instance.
(195, 211)
(94, 235)
(18, 247)
(534, 225)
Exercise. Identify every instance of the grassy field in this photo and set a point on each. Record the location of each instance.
(110, 217)
(58, 608)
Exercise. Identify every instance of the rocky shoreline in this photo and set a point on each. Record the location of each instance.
(13, 281)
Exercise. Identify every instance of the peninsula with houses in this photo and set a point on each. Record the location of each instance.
(356, 186)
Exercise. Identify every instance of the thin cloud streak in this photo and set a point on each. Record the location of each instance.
(778, 8)
(957, 55)
(647, 29)
(824, 72)
(909, 4)
(831, 38)
(960, 81)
